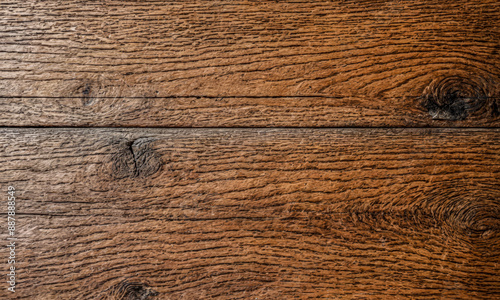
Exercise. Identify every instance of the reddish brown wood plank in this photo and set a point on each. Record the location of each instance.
(242, 112)
(262, 213)
(387, 63)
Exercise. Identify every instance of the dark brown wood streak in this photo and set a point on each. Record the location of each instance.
(255, 213)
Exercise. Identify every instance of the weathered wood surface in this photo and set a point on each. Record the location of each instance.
(243, 112)
(255, 213)
(147, 213)
(382, 63)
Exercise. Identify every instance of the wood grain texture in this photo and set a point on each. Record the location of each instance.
(243, 112)
(387, 63)
(255, 213)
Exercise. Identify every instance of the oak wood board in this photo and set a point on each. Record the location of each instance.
(254, 213)
(253, 63)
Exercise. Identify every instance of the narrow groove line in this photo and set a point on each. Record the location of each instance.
(252, 127)
(202, 96)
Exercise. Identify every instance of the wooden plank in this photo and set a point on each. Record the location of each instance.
(388, 63)
(241, 112)
(254, 213)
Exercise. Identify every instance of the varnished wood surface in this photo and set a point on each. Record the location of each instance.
(364, 63)
(254, 213)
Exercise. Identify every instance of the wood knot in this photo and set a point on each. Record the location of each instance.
(474, 220)
(131, 291)
(456, 98)
(135, 159)
(86, 91)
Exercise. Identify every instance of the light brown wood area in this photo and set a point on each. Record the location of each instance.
(242, 63)
(255, 213)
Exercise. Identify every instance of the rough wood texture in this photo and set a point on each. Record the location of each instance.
(242, 112)
(290, 213)
(255, 214)
(385, 63)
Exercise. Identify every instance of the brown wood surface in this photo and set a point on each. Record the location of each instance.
(370, 209)
(241, 112)
(254, 213)
(251, 63)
